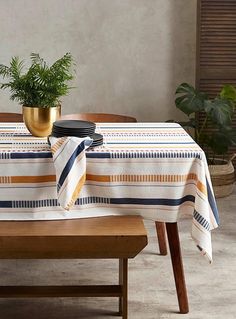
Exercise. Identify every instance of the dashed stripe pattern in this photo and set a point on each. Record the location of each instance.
(155, 169)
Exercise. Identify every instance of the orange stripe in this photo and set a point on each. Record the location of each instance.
(142, 178)
(98, 178)
(76, 192)
(202, 188)
(33, 179)
(57, 145)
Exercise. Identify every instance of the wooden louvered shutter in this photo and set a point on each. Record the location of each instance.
(216, 46)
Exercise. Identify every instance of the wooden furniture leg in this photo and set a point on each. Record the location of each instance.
(123, 282)
(161, 236)
(177, 264)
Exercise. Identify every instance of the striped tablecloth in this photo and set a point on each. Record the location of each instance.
(152, 169)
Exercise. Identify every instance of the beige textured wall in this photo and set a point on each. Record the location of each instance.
(130, 54)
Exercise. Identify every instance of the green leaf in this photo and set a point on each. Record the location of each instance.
(221, 111)
(208, 106)
(40, 85)
(191, 100)
(16, 67)
(228, 92)
(219, 143)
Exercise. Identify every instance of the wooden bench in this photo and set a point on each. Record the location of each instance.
(120, 237)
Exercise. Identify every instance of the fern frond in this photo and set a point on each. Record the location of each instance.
(4, 70)
(40, 85)
(16, 67)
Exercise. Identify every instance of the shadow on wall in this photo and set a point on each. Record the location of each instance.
(183, 52)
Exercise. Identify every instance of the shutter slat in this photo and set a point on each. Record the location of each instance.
(216, 47)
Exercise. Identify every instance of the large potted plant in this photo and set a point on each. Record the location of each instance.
(38, 89)
(215, 133)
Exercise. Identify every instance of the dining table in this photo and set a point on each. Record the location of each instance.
(155, 170)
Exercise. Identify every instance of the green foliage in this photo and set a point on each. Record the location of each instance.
(218, 113)
(41, 85)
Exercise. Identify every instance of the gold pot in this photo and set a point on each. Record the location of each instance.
(39, 120)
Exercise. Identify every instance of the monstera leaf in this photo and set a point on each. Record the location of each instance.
(220, 111)
(190, 100)
(217, 114)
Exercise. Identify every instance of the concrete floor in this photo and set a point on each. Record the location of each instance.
(211, 288)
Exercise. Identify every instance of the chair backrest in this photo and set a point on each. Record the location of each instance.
(99, 117)
(11, 117)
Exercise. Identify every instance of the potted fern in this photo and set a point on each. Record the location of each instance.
(215, 134)
(38, 89)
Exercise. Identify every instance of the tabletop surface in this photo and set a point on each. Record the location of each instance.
(152, 169)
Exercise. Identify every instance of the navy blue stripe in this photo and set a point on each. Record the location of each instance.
(153, 201)
(201, 220)
(31, 155)
(143, 154)
(200, 248)
(212, 202)
(70, 163)
(6, 204)
(29, 203)
(95, 199)
(98, 155)
(7, 127)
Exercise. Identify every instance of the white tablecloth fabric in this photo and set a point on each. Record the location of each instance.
(152, 169)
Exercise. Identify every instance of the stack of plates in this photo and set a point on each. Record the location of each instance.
(77, 128)
(73, 128)
(97, 139)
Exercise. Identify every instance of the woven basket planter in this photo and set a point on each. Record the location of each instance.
(223, 178)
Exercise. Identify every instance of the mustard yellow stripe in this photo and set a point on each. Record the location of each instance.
(57, 145)
(30, 179)
(98, 178)
(142, 178)
(76, 192)
(202, 188)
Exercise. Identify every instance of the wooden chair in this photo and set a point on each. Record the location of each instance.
(11, 117)
(99, 117)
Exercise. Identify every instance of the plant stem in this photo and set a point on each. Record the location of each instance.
(198, 132)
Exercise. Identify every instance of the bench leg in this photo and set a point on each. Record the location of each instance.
(161, 235)
(177, 264)
(123, 281)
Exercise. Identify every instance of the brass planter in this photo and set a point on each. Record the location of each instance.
(39, 120)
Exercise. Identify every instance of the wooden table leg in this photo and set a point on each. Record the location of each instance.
(177, 264)
(161, 236)
(123, 281)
